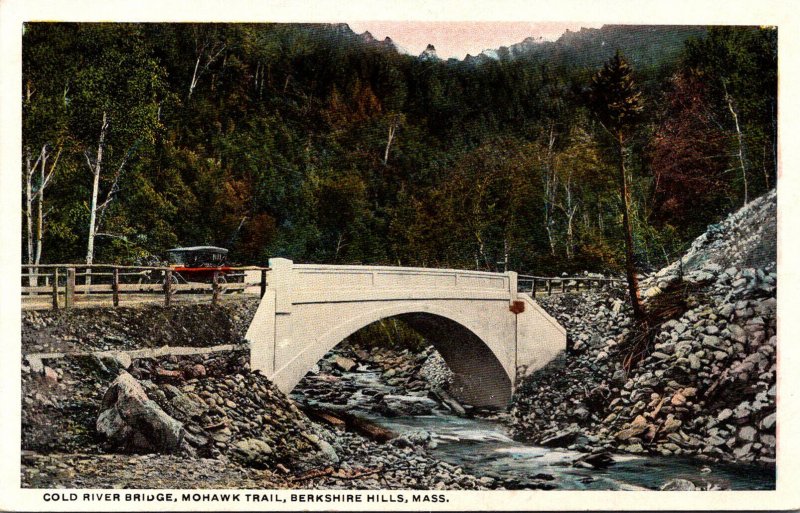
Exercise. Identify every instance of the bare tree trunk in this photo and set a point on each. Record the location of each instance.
(214, 50)
(39, 221)
(95, 189)
(550, 188)
(34, 255)
(570, 212)
(505, 255)
(630, 268)
(570, 236)
(195, 78)
(339, 245)
(394, 122)
(482, 251)
(740, 140)
(44, 179)
(29, 210)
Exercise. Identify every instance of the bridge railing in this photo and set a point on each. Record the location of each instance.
(353, 276)
(549, 285)
(65, 285)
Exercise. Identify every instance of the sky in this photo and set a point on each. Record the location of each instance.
(457, 39)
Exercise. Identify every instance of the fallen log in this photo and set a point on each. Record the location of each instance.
(350, 422)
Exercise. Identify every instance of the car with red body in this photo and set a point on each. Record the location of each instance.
(199, 263)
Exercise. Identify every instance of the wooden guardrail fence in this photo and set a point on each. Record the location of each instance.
(82, 281)
(535, 284)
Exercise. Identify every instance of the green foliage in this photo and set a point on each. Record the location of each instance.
(271, 139)
(390, 333)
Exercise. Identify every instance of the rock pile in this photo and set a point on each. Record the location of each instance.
(707, 387)
(436, 372)
(244, 417)
(218, 408)
(234, 423)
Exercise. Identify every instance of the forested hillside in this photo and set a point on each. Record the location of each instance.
(313, 143)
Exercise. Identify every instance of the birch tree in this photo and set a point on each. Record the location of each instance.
(34, 193)
(208, 48)
(116, 104)
(549, 189)
(395, 120)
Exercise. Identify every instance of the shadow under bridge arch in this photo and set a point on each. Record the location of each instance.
(478, 377)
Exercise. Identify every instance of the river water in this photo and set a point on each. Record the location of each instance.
(483, 447)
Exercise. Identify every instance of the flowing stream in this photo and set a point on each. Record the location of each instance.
(483, 447)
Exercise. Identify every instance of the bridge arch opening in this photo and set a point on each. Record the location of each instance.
(478, 377)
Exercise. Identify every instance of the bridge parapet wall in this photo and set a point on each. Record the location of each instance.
(309, 283)
(337, 277)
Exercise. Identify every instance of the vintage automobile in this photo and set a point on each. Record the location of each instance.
(196, 264)
(199, 263)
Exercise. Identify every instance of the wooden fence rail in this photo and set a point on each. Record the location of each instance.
(544, 284)
(81, 281)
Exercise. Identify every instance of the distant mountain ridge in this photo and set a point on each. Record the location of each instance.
(643, 45)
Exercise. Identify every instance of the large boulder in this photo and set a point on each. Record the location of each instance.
(413, 439)
(254, 452)
(345, 364)
(679, 485)
(133, 423)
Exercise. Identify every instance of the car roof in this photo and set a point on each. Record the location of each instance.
(199, 248)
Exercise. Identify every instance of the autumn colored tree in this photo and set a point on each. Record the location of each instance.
(617, 103)
(688, 156)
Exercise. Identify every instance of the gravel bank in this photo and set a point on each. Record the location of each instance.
(708, 385)
(103, 329)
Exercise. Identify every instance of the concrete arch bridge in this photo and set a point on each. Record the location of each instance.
(489, 335)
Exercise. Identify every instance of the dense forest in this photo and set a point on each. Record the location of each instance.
(320, 145)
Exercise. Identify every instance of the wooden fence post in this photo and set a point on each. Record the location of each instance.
(549, 287)
(69, 288)
(55, 288)
(533, 288)
(263, 282)
(563, 286)
(167, 287)
(215, 288)
(115, 286)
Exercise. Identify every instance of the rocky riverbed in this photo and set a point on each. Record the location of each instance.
(480, 442)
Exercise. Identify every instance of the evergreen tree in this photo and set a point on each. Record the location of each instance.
(617, 103)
